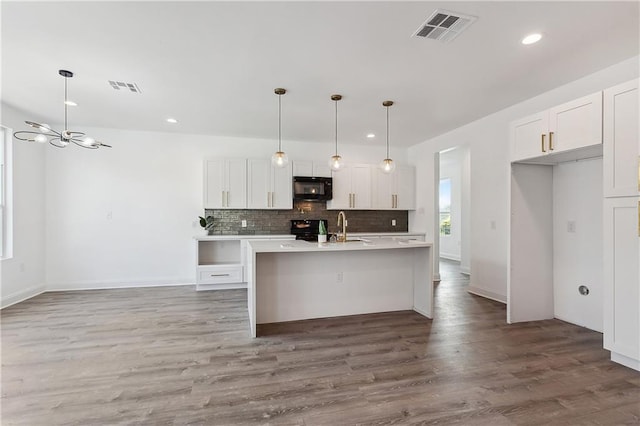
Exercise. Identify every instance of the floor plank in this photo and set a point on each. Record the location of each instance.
(173, 356)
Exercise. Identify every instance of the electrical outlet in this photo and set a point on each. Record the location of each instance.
(571, 226)
(339, 277)
(393, 222)
(109, 215)
(244, 223)
(493, 224)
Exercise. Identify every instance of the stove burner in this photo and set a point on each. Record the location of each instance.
(306, 229)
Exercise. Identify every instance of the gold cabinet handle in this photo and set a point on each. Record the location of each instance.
(550, 141)
(227, 198)
(542, 143)
(272, 197)
(222, 200)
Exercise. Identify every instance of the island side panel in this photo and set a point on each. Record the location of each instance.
(423, 281)
(251, 287)
(304, 285)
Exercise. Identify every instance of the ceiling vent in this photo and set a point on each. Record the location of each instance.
(119, 85)
(444, 25)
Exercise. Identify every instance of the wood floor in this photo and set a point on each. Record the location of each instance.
(172, 356)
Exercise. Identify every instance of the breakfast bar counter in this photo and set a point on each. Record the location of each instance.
(297, 280)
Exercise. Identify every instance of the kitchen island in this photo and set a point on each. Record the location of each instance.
(297, 280)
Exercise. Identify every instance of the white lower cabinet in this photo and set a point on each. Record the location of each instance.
(220, 274)
(221, 263)
(622, 280)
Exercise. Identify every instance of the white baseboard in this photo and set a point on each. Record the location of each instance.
(105, 285)
(450, 256)
(487, 294)
(626, 361)
(21, 296)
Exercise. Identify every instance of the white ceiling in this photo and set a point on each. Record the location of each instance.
(214, 65)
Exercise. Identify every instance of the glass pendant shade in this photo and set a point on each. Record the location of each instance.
(279, 159)
(387, 165)
(335, 163)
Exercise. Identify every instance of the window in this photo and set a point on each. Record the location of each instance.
(445, 206)
(5, 193)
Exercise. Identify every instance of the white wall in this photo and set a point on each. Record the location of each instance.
(23, 275)
(577, 250)
(487, 140)
(126, 216)
(451, 168)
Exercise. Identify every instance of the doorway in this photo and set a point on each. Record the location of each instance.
(453, 207)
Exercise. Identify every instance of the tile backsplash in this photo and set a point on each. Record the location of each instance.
(228, 222)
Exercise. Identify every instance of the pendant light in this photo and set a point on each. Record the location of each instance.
(45, 133)
(279, 159)
(335, 162)
(387, 165)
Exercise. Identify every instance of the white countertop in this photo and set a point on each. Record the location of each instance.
(245, 237)
(297, 246)
(290, 236)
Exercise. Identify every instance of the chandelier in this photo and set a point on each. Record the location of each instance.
(45, 133)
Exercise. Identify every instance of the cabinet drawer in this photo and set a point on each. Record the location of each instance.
(219, 274)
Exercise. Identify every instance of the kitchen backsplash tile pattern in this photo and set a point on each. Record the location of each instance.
(228, 222)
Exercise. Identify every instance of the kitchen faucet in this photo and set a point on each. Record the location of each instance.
(342, 219)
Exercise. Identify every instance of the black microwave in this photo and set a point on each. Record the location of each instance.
(312, 188)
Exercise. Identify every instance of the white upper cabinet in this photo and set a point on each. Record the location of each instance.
(268, 187)
(395, 191)
(564, 128)
(528, 136)
(621, 141)
(225, 183)
(352, 188)
(311, 169)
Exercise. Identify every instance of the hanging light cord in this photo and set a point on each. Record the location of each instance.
(279, 123)
(336, 102)
(387, 132)
(65, 106)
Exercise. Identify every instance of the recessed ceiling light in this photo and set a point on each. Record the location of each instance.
(172, 120)
(70, 103)
(370, 136)
(532, 38)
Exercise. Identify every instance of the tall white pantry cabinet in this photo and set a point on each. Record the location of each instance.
(621, 166)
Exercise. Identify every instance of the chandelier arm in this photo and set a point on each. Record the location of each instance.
(79, 143)
(19, 135)
(52, 142)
